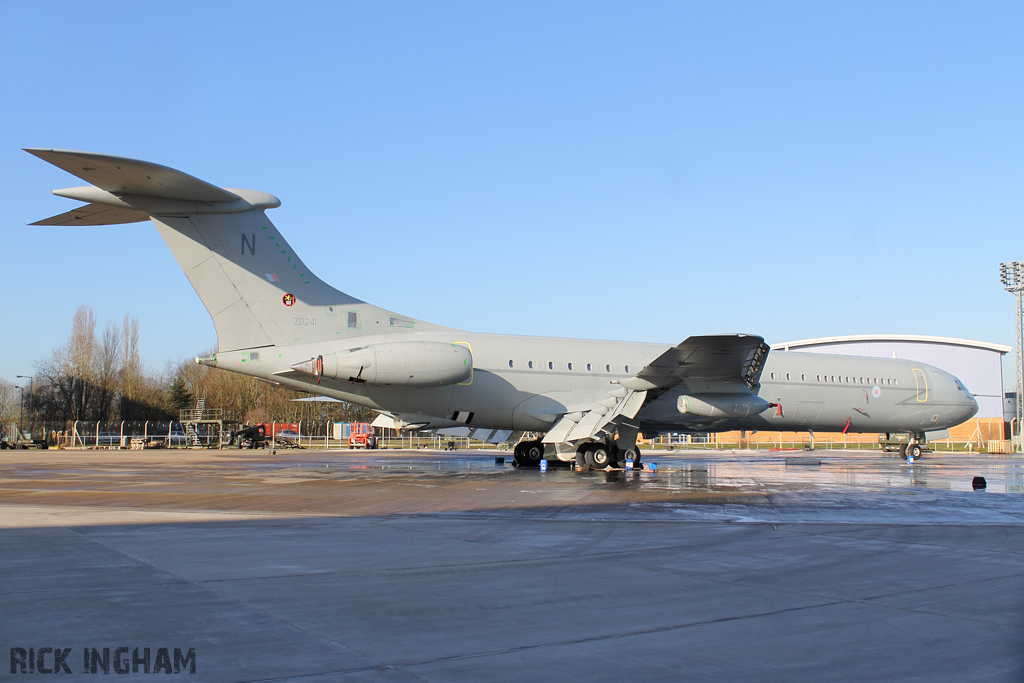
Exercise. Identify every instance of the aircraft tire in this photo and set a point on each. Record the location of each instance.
(520, 455)
(903, 451)
(598, 457)
(534, 452)
(914, 451)
(581, 458)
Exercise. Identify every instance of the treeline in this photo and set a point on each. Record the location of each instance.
(98, 376)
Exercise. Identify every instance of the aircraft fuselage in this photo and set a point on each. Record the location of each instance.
(524, 383)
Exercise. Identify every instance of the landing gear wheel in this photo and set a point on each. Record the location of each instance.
(914, 451)
(637, 465)
(581, 458)
(598, 457)
(519, 456)
(903, 451)
(529, 453)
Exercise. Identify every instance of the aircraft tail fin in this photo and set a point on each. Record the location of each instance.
(256, 289)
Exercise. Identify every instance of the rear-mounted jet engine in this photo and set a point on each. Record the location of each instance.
(400, 364)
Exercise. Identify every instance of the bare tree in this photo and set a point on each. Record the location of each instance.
(131, 365)
(76, 363)
(9, 402)
(107, 367)
(67, 379)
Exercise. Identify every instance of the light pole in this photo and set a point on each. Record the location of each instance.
(21, 410)
(31, 402)
(1011, 274)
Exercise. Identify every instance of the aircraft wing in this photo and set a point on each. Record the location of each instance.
(721, 363)
(95, 214)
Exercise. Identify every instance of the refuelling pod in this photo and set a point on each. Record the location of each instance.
(400, 364)
(722, 405)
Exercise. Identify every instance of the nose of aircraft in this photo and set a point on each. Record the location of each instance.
(965, 406)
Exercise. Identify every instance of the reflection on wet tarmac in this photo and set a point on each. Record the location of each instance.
(747, 486)
(698, 471)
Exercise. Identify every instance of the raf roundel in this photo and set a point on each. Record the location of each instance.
(288, 299)
(875, 391)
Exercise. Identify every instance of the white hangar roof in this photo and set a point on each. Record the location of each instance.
(907, 338)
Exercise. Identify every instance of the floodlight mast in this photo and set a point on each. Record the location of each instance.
(1011, 274)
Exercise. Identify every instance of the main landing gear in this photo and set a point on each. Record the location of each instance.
(595, 456)
(529, 453)
(598, 456)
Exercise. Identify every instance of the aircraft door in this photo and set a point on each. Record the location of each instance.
(922, 385)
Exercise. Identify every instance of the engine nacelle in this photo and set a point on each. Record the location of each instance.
(722, 405)
(400, 364)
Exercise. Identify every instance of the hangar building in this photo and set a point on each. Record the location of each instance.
(979, 365)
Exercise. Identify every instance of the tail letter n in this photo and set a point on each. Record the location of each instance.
(247, 243)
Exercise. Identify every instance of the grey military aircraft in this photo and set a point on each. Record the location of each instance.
(583, 400)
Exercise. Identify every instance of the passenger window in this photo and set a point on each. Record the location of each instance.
(570, 366)
(819, 378)
(627, 369)
(787, 375)
(551, 366)
(510, 363)
(588, 367)
(531, 364)
(608, 368)
(803, 378)
(773, 375)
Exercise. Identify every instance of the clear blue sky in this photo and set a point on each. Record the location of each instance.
(633, 170)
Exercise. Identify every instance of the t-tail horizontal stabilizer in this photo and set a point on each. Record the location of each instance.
(255, 287)
(124, 190)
